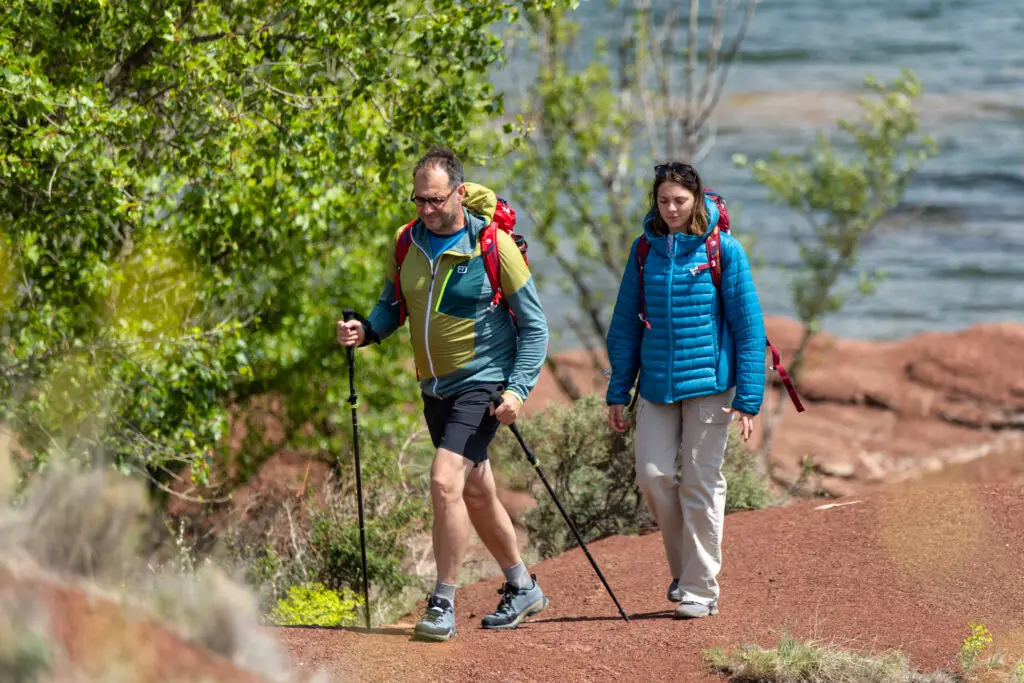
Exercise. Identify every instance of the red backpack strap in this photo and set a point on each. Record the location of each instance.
(714, 249)
(643, 249)
(784, 376)
(713, 245)
(401, 251)
(492, 262)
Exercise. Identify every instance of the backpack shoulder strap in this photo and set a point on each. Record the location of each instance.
(402, 246)
(713, 245)
(643, 250)
(492, 261)
(714, 248)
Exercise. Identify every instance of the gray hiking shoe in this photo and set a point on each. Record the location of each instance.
(516, 604)
(438, 622)
(674, 594)
(695, 610)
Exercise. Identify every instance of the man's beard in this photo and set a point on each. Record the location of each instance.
(448, 220)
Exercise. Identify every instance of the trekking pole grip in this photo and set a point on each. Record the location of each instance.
(348, 314)
(497, 398)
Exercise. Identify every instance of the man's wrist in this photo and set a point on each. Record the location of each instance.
(509, 392)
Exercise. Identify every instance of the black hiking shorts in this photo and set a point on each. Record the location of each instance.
(463, 423)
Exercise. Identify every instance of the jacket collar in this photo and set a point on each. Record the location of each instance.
(467, 242)
(682, 243)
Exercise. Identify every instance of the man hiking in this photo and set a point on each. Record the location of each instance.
(465, 349)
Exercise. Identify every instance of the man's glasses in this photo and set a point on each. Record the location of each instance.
(661, 170)
(436, 202)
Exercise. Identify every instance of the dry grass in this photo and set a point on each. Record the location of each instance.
(84, 530)
(796, 661)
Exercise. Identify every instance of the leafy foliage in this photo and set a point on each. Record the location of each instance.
(293, 543)
(336, 543)
(316, 605)
(189, 194)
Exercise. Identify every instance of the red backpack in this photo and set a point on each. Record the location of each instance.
(504, 219)
(713, 244)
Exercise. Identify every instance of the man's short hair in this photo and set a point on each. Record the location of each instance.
(442, 159)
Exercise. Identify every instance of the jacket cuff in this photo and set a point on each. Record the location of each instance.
(520, 393)
(617, 399)
(369, 336)
(745, 407)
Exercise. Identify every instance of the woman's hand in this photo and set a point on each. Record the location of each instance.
(746, 422)
(618, 422)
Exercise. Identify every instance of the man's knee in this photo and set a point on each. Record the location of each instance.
(447, 478)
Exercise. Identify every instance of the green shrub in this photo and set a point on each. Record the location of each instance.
(592, 470)
(24, 657)
(314, 604)
(304, 542)
(334, 543)
(748, 488)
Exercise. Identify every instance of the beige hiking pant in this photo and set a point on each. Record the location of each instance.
(679, 452)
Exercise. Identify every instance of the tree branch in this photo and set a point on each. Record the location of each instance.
(565, 383)
(727, 63)
(690, 131)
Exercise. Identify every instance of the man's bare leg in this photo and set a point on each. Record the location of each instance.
(451, 520)
(489, 517)
(522, 597)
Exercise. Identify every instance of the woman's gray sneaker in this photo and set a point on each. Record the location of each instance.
(674, 594)
(695, 610)
(516, 604)
(438, 622)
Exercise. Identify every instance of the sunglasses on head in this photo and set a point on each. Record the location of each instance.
(661, 170)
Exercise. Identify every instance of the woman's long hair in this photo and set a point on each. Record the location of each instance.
(686, 176)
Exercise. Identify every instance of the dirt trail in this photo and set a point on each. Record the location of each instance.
(906, 567)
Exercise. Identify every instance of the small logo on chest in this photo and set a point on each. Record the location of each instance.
(461, 270)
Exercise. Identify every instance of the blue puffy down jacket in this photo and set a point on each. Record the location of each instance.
(702, 341)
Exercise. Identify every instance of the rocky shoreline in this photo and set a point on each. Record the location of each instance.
(879, 412)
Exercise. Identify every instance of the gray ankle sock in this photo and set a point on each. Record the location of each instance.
(518, 576)
(446, 591)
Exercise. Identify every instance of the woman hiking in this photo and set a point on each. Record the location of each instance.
(692, 330)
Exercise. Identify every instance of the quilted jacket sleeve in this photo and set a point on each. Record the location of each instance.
(625, 335)
(746, 322)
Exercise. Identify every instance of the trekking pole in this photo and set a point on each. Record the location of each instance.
(348, 314)
(496, 399)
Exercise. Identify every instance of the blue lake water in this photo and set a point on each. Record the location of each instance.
(956, 255)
